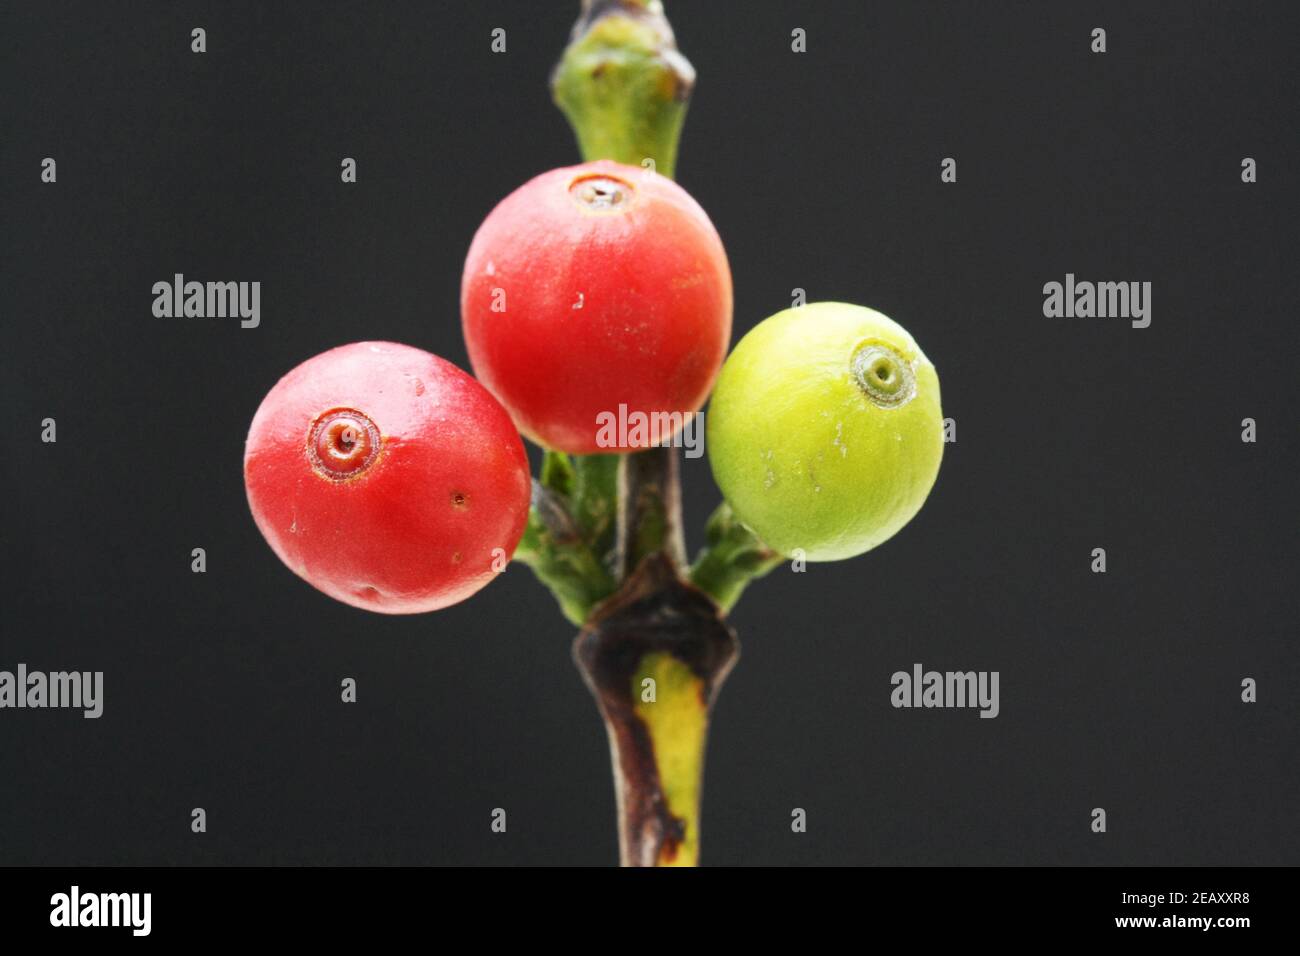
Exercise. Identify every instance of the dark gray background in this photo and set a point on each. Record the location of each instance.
(821, 171)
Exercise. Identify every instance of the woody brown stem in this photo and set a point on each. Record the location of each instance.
(650, 509)
(654, 657)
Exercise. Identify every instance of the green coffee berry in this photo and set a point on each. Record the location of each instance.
(825, 431)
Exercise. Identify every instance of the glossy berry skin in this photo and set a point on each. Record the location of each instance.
(386, 477)
(591, 287)
(825, 430)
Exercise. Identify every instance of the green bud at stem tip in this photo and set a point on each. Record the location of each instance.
(623, 85)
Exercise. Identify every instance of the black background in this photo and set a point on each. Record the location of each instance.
(821, 171)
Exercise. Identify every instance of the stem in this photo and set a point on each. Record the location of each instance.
(655, 652)
(553, 546)
(650, 509)
(732, 557)
(595, 502)
(654, 656)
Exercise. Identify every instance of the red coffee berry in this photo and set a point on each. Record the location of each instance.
(387, 478)
(594, 287)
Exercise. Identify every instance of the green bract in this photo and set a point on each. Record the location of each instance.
(825, 431)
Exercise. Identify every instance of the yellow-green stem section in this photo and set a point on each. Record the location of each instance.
(676, 716)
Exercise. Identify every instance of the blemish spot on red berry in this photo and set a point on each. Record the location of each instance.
(458, 500)
(342, 444)
(368, 593)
